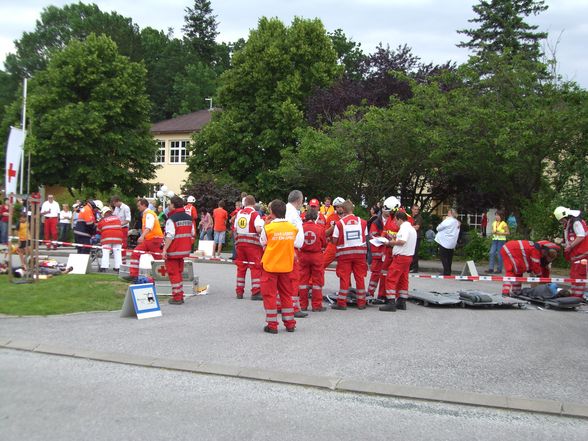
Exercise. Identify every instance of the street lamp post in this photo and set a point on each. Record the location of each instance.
(163, 193)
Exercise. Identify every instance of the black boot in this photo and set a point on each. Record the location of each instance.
(389, 306)
(401, 304)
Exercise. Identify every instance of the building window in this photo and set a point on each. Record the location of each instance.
(178, 152)
(160, 155)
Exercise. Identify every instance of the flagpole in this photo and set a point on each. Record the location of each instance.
(24, 119)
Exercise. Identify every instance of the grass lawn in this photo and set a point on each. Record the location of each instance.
(62, 294)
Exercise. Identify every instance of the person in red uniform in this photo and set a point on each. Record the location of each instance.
(279, 238)
(179, 237)
(190, 208)
(331, 250)
(111, 235)
(575, 246)
(350, 238)
(314, 204)
(312, 271)
(403, 249)
(377, 229)
(247, 226)
(150, 240)
(521, 256)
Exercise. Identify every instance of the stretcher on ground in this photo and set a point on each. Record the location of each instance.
(464, 298)
(427, 298)
(543, 295)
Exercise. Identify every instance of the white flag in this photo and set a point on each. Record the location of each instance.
(13, 155)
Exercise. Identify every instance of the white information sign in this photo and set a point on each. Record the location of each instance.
(207, 246)
(79, 263)
(141, 302)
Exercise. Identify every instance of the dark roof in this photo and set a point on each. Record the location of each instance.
(188, 123)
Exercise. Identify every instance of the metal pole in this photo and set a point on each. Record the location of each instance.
(23, 124)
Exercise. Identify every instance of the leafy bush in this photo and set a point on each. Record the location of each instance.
(476, 247)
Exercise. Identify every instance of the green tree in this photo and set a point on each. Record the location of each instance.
(200, 29)
(349, 53)
(502, 31)
(263, 97)
(58, 26)
(192, 87)
(90, 120)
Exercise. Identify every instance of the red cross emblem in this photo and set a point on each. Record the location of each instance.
(162, 270)
(309, 237)
(11, 172)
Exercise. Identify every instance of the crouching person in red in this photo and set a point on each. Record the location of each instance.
(404, 246)
(179, 237)
(522, 256)
(279, 239)
(311, 262)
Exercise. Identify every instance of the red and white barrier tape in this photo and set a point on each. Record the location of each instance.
(412, 276)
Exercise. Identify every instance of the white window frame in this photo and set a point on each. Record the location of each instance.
(162, 150)
(179, 151)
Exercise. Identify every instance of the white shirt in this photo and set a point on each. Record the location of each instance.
(65, 217)
(124, 214)
(170, 229)
(408, 234)
(298, 242)
(52, 209)
(447, 233)
(149, 221)
(293, 217)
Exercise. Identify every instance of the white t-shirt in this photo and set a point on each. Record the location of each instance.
(65, 217)
(51, 207)
(293, 217)
(448, 233)
(408, 234)
(124, 214)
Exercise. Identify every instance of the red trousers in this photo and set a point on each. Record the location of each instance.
(347, 265)
(387, 259)
(175, 267)
(248, 253)
(509, 271)
(152, 247)
(50, 230)
(312, 275)
(397, 278)
(578, 271)
(376, 272)
(125, 232)
(329, 255)
(271, 285)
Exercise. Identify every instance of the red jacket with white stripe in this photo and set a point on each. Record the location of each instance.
(180, 228)
(110, 230)
(244, 227)
(315, 239)
(350, 236)
(525, 256)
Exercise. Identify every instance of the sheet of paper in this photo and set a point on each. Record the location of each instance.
(379, 241)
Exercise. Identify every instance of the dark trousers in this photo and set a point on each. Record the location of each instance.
(414, 266)
(446, 256)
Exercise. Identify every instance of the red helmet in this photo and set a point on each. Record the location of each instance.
(314, 203)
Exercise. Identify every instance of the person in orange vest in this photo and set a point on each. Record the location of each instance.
(111, 235)
(332, 219)
(576, 246)
(179, 237)
(327, 208)
(349, 236)
(150, 240)
(404, 247)
(279, 238)
(247, 226)
(85, 226)
(312, 271)
(522, 256)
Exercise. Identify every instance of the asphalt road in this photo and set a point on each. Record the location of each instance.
(46, 398)
(528, 353)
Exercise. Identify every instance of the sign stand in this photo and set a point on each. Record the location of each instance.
(141, 302)
(469, 269)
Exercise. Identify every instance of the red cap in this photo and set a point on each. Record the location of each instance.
(314, 203)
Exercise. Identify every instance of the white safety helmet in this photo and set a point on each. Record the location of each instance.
(390, 204)
(561, 212)
(105, 210)
(99, 205)
(191, 199)
(338, 201)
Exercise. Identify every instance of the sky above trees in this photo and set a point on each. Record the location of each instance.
(428, 26)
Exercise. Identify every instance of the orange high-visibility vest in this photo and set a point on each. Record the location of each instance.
(155, 232)
(278, 256)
